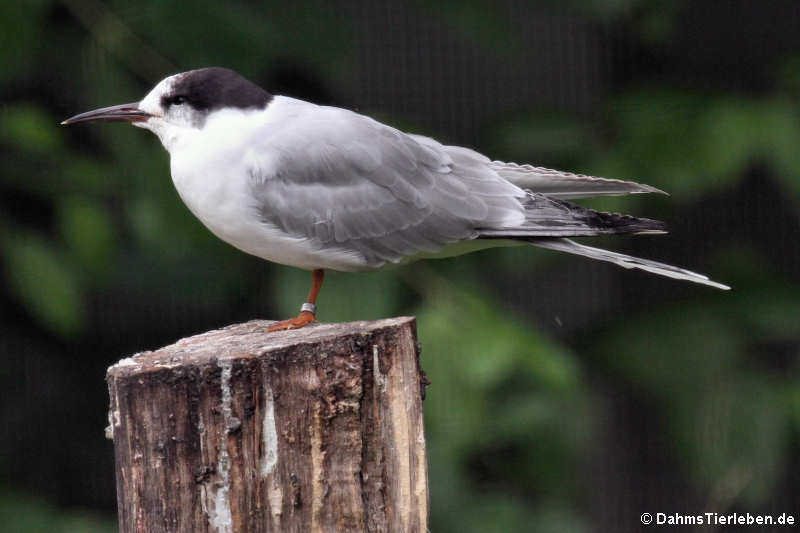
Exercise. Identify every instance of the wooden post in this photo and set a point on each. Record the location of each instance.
(238, 431)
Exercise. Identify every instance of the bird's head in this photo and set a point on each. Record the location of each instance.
(184, 102)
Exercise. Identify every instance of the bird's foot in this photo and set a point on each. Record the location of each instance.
(304, 318)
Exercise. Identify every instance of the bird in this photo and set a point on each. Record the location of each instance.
(325, 188)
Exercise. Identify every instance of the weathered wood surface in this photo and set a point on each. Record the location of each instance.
(237, 431)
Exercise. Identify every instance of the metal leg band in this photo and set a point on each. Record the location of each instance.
(309, 307)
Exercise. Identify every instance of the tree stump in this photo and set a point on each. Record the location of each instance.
(238, 431)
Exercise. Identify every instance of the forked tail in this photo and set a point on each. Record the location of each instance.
(625, 261)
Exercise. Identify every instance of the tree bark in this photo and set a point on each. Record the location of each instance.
(237, 431)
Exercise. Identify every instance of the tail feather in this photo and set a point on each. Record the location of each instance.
(625, 261)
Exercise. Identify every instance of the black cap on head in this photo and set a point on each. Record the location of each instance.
(208, 89)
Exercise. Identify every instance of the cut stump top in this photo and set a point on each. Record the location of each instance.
(249, 339)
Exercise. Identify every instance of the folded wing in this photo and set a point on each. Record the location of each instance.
(343, 180)
(565, 185)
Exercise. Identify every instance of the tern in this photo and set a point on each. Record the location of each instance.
(319, 187)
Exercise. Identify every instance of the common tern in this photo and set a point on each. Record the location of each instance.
(319, 187)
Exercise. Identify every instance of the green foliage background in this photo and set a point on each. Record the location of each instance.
(565, 396)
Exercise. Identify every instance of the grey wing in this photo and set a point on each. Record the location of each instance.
(343, 180)
(566, 185)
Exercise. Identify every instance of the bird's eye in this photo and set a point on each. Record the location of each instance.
(178, 100)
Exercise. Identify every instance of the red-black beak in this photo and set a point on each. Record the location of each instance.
(115, 113)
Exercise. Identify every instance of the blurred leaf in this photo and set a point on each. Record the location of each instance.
(688, 144)
(788, 75)
(780, 137)
(167, 229)
(89, 234)
(45, 284)
(657, 348)
(774, 312)
(23, 514)
(725, 421)
(658, 23)
(791, 397)
(659, 141)
(729, 135)
(539, 137)
(495, 344)
(735, 425)
(477, 20)
(83, 175)
(20, 35)
(27, 127)
(497, 386)
(344, 296)
(147, 221)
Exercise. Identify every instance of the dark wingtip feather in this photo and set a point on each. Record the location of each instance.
(623, 223)
(551, 217)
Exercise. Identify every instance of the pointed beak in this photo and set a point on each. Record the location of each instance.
(115, 113)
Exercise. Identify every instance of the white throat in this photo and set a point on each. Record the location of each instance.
(169, 134)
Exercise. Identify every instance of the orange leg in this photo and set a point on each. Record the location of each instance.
(307, 310)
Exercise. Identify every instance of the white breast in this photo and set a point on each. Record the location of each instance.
(211, 172)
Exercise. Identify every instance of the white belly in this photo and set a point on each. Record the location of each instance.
(218, 194)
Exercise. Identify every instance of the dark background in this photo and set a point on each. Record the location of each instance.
(567, 395)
